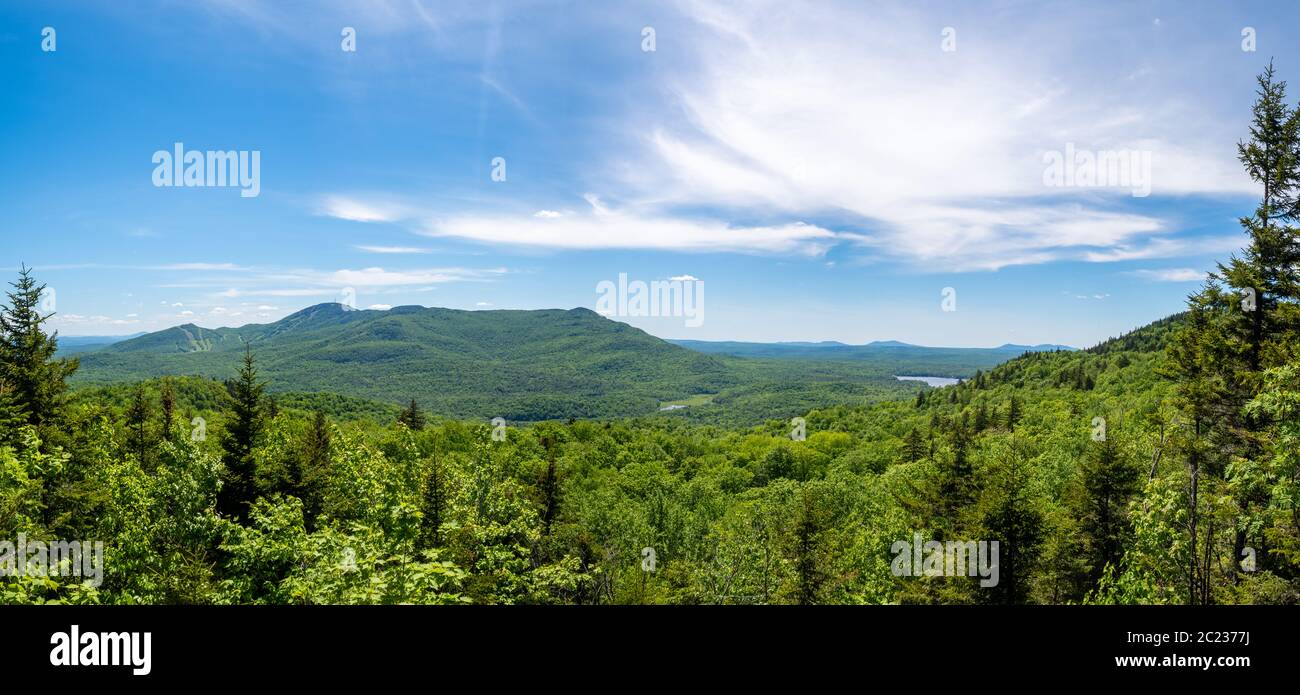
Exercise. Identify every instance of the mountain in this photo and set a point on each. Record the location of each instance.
(532, 365)
(1044, 347)
(903, 358)
(76, 343)
(522, 365)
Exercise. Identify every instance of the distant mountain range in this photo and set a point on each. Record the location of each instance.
(77, 343)
(525, 365)
(831, 350)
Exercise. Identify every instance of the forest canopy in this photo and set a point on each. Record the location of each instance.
(1159, 467)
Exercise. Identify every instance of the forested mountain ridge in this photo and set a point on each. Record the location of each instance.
(522, 365)
(874, 350)
(890, 357)
(528, 365)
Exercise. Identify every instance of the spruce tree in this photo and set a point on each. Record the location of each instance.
(1013, 413)
(913, 446)
(312, 469)
(435, 504)
(244, 423)
(1011, 517)
(550, 488)
(12, 416)
(1107, 481)
(412, 417)
(137, 423)
(810, 574)
(27, 363)
(167, 397)
(1243, 322)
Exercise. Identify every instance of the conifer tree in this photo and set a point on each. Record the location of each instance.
(810, 574)
(435, 504)
(27, 363)
(245, 422)
(167, 397)
(1243, 322)
(12, 416)
(1107, 481)
(137, 422)
(1011, 517)
(1013, 413)
(550, 488)
(412, 417)
(312, 469)
(913, 447)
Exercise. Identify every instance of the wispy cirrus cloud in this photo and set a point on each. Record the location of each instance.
(943, 153)
(317, 283)
(356, 210)
(936, 159)
(1172, 274)
(602, 228)
(393, 249)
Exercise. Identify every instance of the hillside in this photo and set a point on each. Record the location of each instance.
(532, 365)
(522, 365)
(890, 355)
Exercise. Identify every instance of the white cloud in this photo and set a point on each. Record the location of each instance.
(378, 277)
(937, 159)
(347, 208)
(198, 266)
(607, 229)
(1172, 275)
(392, 249)
(873, 119)
(971, 238)
(380, 307)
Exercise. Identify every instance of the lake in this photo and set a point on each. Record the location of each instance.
(935, 381)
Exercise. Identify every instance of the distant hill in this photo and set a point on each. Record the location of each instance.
(532, 365)
(522, 365)
(1044, 347)
(1152, 337)
(941, 361)
(77, 343)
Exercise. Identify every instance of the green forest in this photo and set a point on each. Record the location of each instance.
(1158, 467)
(523, 366)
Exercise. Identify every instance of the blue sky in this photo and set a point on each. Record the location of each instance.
(825, 169)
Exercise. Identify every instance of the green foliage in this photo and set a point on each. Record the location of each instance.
(27, 364)
(247, 418)
(1157, 467)
(524, 366)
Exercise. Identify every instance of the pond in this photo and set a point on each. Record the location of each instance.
(935, 381)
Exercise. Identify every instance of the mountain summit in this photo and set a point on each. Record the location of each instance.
(525, 365)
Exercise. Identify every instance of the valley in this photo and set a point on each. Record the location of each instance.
(529, 366)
